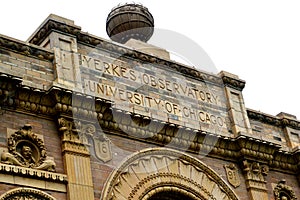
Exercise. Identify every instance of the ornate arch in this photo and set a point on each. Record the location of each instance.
(155, 170)
(26, 193)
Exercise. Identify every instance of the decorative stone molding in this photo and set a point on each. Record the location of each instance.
(70, 137)
(34, 101)
(272, 120)
(8, 87)
(255, 174)
(257, 149)
(254, 171)
(234, 83)
(59, 101)
(149, 170)
(25, 49)
(28, 172)
(26, 194)
(26, 149)
(284, 192)
(52, 24)
(79, 137)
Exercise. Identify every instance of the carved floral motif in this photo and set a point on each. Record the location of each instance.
(284, 192)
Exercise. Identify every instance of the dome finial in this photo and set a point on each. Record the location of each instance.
(128, 21)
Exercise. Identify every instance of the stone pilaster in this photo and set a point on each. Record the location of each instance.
(255, 174)
(236, 106)
(77, 161)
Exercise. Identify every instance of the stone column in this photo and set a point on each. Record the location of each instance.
(256, 184)
(76, 160)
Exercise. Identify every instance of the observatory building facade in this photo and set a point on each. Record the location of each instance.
(88, 118)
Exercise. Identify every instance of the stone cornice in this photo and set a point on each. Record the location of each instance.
(57, 23)
(33, 173)
(234, 83)
(87, 39)
(59, 101)
(8, 87)
(256, 149)
(26, 49)
(273, 120)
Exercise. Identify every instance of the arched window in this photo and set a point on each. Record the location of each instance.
(170, 195)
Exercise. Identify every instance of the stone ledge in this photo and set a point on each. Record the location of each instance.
(280, 120)
(26, 49)
(14, 171)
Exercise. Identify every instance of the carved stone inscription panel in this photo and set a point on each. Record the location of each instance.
(148, 90)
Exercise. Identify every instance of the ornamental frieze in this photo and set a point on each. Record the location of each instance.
(25, 49)
(272, 120)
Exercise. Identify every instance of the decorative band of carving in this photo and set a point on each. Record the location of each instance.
(26, 193)
(234, 83)
(175, 183)
(53, 25)
(165, 167)
(22, 171)
(75, 148)
(275, 121)
(172, 188)
(25, 49)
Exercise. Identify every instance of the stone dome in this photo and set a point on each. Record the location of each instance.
(129, 21)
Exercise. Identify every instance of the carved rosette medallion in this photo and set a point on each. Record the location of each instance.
(232, 175)
(284, 192)
(26, 149)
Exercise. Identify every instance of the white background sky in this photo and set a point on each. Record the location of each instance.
(258, 40)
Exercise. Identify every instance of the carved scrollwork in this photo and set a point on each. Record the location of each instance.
(142, 175)
(284, 192)
(26, 194)
(26, 149)
(255, 171)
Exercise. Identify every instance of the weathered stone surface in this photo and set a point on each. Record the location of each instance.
(98, 105)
